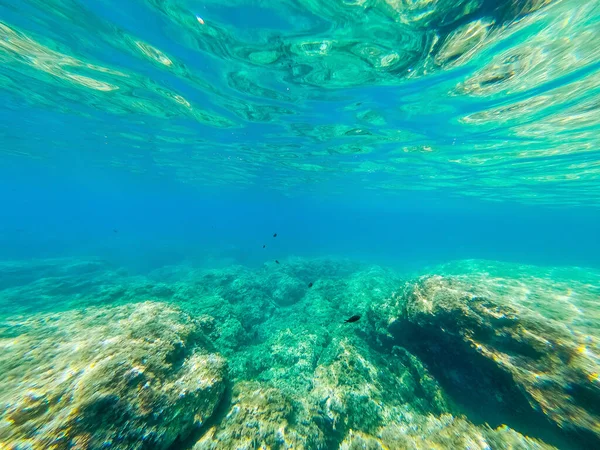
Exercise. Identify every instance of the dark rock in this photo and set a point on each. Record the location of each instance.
(505, 362)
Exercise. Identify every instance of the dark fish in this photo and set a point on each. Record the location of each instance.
(115, 231)
(264, 246)
(274, 234)
(352, 319)
(310, 285)
(277, 261)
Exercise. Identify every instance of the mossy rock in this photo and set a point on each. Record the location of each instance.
(129, 377)
(504, 360)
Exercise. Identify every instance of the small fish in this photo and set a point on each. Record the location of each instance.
(264, 245)
(310, 285)
(277, 261)
(115, 231)
(274, 234)
(353, 319)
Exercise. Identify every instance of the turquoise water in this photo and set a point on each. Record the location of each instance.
(421, 161)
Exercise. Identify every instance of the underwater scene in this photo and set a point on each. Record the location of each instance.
(299, 224)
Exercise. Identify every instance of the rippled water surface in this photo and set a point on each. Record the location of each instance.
(477, 98)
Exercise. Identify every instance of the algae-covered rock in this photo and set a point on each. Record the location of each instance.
(290, 357)
(285, 289)
(497, 343)
(425, 367)
(311, 393)
(352, 397)
(310, 381)
(440, 432)
(356, 388)
(259, 417)
(137, 376)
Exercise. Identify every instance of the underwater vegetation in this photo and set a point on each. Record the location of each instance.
(135, 376)
(473, 354)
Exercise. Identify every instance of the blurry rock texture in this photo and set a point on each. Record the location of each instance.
(481, 355)
(129, 377)
(519, 350)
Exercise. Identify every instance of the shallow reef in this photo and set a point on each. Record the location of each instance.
(476, 354)
(524, 348)
(136, 376)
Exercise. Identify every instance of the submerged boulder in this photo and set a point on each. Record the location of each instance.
(258, 417)
(440, 432)
(286, 289)
(129, 377)
(471, 359)
(343, 394)
(502, 349)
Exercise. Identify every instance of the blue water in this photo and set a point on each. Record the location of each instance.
(51, 214)
(171, 139)
(79, 162)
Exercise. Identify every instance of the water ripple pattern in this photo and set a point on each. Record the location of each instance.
(497, 99)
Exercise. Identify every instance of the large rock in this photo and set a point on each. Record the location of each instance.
(337, 392)
(130, 377)
(144, 375)
(515, 350)
(286, 289)
(259, 417)
(440, 432)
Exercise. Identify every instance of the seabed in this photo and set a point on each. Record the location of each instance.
(471, 354)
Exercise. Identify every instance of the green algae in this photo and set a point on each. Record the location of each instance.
(299, 377)
(523, 340)
(130, 377)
